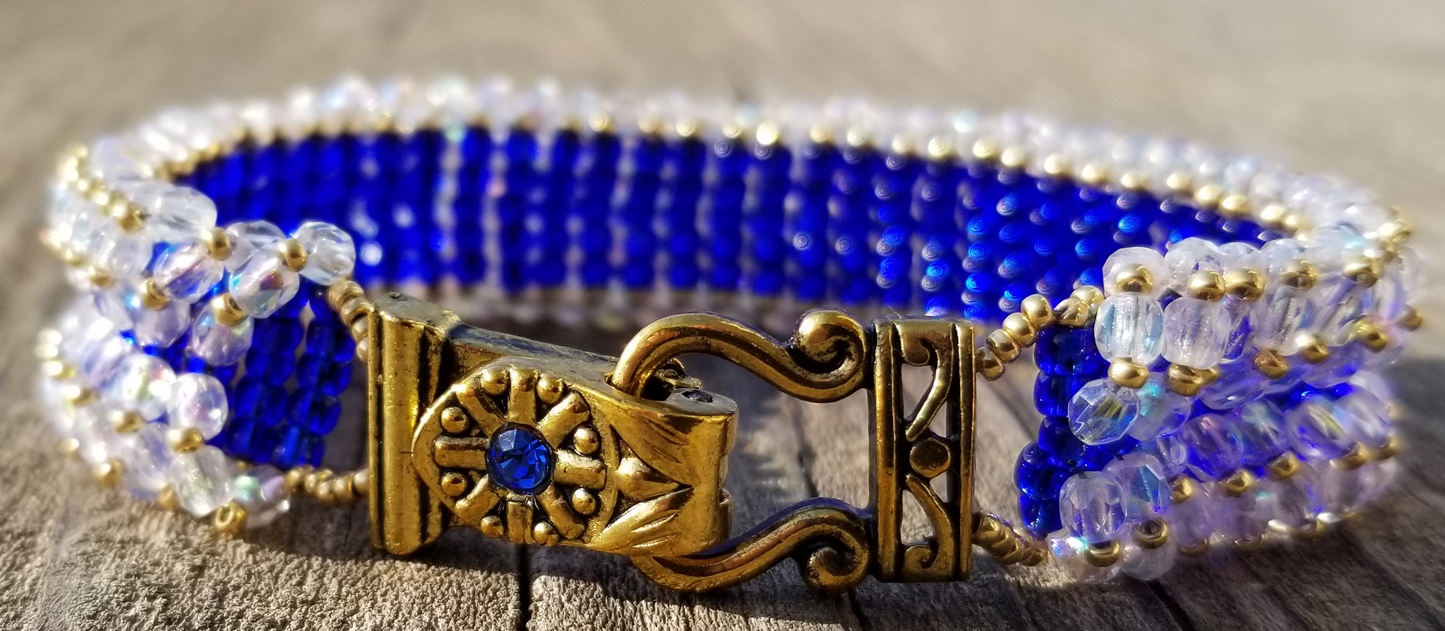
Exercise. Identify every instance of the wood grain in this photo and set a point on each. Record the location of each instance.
(1355, 88)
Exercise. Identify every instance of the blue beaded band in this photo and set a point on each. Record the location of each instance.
(210, 246)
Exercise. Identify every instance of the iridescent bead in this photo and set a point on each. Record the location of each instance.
(96, 436)
(146, 461)
(1091, 505)
(1261, 429)
(1195, 332)
(1370, 417)
(1069, 553)
(1279, 315)
(1146, 490)
(1130, 326)
(1215, 447)
(179, 214)
(1172, 452)
(1189, 256)
(1126, 258)
(1281, 253)
(1343, 362)
(1239, 383)
(1147, 564)
(202, 480)
(263, 285)
(1239, 255)
(1330, 246)
(1315, 430)
(1191, 522)
(198, 401)
(217, 343)
(186, 272)
(1161, 410)
(112, 304)
(1339, 304)
(330, 252)
(121, 254)
(1102, 411)
(102, 357)
(1246, 517)
(250, 237)
(141, 383)
(262, 492)
(159, 327)
(1297, 500)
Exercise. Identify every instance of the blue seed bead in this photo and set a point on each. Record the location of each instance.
(1052, 393)
(1036, 475)
(1040, 516)
(1057, 441)
(1066, 351)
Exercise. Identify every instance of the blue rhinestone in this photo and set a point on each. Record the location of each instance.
(520, 460)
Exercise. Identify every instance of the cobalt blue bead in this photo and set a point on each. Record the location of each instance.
(1066, 351)
(1052, 393)
(1041, 516)
(520, 459)
(1057, 441)
(1036, 475)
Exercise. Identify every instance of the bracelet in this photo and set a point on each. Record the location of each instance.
(1209, 329)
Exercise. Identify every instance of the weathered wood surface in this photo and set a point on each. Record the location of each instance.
(1358, 88)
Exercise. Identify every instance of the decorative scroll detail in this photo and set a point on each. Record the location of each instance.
(826, 359)
(828, 539)
(909, 454)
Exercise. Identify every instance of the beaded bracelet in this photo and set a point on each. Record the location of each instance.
(1209, 329)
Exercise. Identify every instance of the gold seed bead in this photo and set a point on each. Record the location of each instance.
(126, 421)
(1272, 216)
(311, 484)
(1185, 380)
(1310, 532)
(1038, 312)
(1134, 279)
(1205, 285)
(988, 364)
(1182, 488)
(1089, 295)
(1271, 363)
(1234, 206)
(1133, 180)
(1020, 329)
(1104, 554)
(295, 478)
(167, 498)
(1372, 335)
(1151, 534)
(1013, 158)
(293, 254)
(1003, 345)
(1210, 374)
(151, 296)
(1094, 174)
(1249, 545)
(344, 489)
(1312, 348)
(1238, 483)
(76, 395)
(1364, 271)
(343, 291)
(218, 243)
(1412, 319)
(985, 150)
(1396, 231)
(1390, 450)
(1128, 373)
(1057, 166)
(107, 473)
(1244, 284)
(229, 519)
(1195, 550)
(184, 440)
(1285, 467)
(1072, 314)
(55, 369)
(227, 312)
(99, 277)
(1352, 460)
(1299, 274)
(1208, 196)
(325, 491)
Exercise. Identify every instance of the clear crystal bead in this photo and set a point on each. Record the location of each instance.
(1281, 253)
(102, 357)
(1261, 429)
(1069, 553)
(1161, 410)
(1239, 383)
(1340, 304)
(1315, 429)
(117, 158)
(262, 492)
(1241, 326)
(1330, 246)
(1091, 505)
(1238, 255)
(179, 214)
(1370, 418)
(112, 304)
(217, 343)
(1146, 489)
(1192, 255)
(1191, 522)
(159, 327)
(186, 271)
(1215, 446)
(1195, 332)
(198, 401)
(1343, 362)
(95, 434)
(330, 252)
(141, 383)
(248, 238)
(1147, 564)
(1126, 258)
(1130, 326)
(202, 480)
(146, 461)
(1246, 517)
(1102, 411)
(1297, 500)
(263, 285)
(1279, 316)
(121, 254)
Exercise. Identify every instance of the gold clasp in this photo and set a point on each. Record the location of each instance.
(549, 445)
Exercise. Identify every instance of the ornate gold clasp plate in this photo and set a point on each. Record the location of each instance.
(542, 444)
